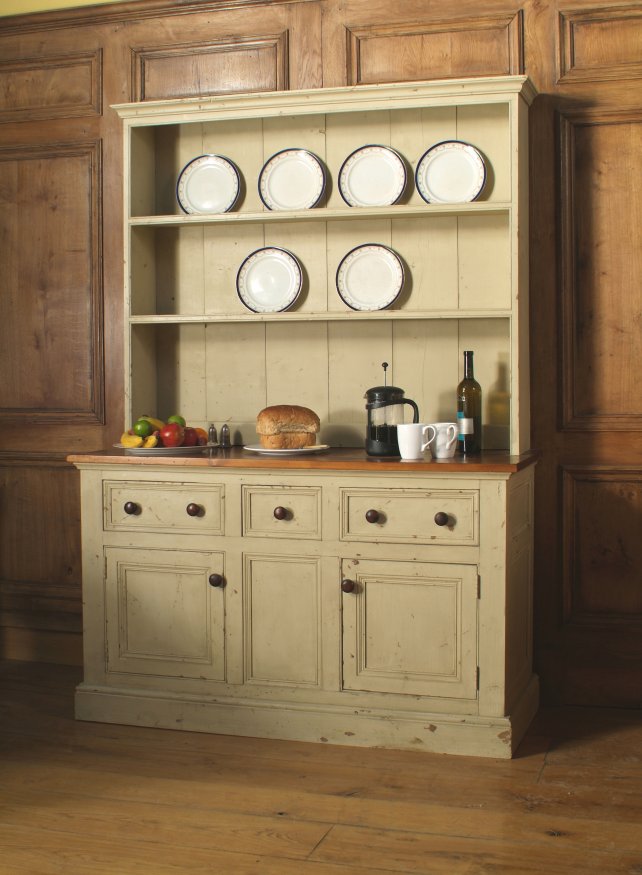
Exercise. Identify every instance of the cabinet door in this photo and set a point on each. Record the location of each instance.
(410, 627)
(164, 612)
(282, 597)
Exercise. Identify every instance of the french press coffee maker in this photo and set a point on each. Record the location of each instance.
(385, 406)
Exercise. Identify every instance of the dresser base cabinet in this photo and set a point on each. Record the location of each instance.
(385, 609)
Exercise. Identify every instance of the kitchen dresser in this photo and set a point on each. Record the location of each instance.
(328, 597)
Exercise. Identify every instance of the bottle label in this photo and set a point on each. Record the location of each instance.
(465, 424)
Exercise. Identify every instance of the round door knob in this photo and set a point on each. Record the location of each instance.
(131, 508)
(373, 516)
(280, 513)
(193, 509)
(441, 518)
(347, 585)
(216, 580)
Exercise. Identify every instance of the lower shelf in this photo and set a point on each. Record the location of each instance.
(496, 737)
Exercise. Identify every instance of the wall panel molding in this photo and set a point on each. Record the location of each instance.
(52, 302)
(602, 516)
(444, 49)
(600, 44)
(54, 87)
(600, 292)
(214, 67)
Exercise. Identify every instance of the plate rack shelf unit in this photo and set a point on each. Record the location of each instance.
(193, 347)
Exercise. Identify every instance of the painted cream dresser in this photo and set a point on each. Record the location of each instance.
(343, 600)
(329, 597)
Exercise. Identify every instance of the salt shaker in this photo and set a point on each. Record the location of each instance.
(212, 437)
(225, 436)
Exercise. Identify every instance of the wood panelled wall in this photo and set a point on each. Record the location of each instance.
(61, 268)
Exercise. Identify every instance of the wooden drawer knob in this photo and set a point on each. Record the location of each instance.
(194, 509)
(373, 516)
(347, 585)
(216, 580)
(442, 518)
(280, 513)
(131, 508)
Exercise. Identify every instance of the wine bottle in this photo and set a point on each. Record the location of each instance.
(469, 406)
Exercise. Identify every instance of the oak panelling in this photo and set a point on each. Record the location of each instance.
(51, 306)
(214, 67)
(601, 294)
(603, 520)
(600, 44)
(62, 86)
(442, 49)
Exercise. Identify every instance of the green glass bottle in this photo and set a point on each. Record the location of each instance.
(469, 408)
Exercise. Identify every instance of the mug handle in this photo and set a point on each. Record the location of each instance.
(430, 439)
(451, 439)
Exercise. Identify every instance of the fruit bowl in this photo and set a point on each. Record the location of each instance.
(166, 451)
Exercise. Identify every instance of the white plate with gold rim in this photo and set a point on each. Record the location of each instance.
(293, 179)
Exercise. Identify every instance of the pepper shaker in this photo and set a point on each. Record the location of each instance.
(225, 436)
(212, 437)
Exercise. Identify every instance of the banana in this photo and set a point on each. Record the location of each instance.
(157, 423)
(151, 441)
(130, 440)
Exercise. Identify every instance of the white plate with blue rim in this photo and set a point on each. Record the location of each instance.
(207, 185)
(373, 176)
(450, 172)
(370, 277)
(293, 179)
(269, 280)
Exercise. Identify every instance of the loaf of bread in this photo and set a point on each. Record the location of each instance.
(287, 427)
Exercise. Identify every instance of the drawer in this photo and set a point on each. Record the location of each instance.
(163, 507)
(282, 512)
(410, 516)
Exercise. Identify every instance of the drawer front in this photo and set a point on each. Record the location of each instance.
(410, 516)
(163, 507)
(282, 512)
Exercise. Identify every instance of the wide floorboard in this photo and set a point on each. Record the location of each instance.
(85, 798)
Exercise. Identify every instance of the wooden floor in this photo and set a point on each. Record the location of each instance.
(94, 798)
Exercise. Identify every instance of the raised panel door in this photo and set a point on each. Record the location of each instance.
(410, 627)
(163, 614)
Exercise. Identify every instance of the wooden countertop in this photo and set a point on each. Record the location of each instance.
(335, 459)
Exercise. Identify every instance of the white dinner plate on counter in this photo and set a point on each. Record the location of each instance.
(166, 451)
(370, 277)
(208, 184)
(452, 172)
(372, 176)
(269, 280)
(257, 448)
(293, 179)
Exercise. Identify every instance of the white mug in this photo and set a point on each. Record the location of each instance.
(413, 439)
(443, 444)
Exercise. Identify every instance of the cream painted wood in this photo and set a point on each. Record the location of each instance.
(409, 516)
(302, 509)
(465, 262)
(163, 507)
(410, 627)
(161, 614)
(271, 652)
(282, 629)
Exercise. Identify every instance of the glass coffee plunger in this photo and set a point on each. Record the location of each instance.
(385, 406)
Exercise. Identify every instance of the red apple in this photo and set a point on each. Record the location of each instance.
(172, 434)
(191, 437)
